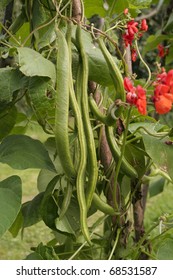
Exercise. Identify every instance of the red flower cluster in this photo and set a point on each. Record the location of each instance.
(131, 31)
(162, 51)
(136, 96)
(163, 93)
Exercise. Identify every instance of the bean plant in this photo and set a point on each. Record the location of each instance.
(81, 71)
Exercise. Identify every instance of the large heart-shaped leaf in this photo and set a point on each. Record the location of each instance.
(22, 152)
(33, 64)
(94, 7)
(160, 152)
(10, 202)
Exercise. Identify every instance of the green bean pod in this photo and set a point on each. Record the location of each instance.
(126, 167)
(81, 174)
(103, 206)
(91, 151)
(105, 119)
(114, 71)
(62, 106)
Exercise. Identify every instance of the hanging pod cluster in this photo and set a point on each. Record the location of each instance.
(84, 173)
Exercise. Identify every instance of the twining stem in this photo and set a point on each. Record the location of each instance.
(10, 34)
(143, 61)
(38, 28)
(159, 135)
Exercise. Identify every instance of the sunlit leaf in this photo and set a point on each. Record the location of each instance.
(22, 152)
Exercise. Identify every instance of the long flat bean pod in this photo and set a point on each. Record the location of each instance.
(92, 158)
(114, 71)
(106, 119)
(81, 174)
(103, 206)
(126, 167)
(62, 106)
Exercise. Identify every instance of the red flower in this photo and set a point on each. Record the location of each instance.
(133, 54)
(161, 78)
(141, 103)
(131, 98)
(169, 78)
(136, 96)
(141, 92)
(131, 27)
(163, 105)
(144, 25)
(163, 93)
(142, 106)
(128, 39)
(128, 85)
(161, 50)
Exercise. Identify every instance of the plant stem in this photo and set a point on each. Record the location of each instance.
(115, 243)
(121, 157)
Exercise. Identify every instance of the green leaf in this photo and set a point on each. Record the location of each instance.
(150, 127)
(48, 207)
(153, 41)
(119, 7)
(165, 249)
(47, 36)
(139, 4)
(33, 64)
(10, 202)
(70, 223)
(10, 81)
(44, 178)
(133, 5)
(7, 121)
(39, 14)
(31, 211)
(43, 252)
(17, 225)
(94, 7)
(169, 24)
(42, 100)
(163, 158)
(34, 256)
(22, 152)
(136, 156)
(156, 185)
(98, 68)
